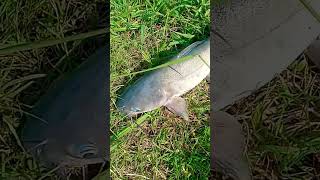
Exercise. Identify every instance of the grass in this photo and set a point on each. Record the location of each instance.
(281, 122)
(144, 34)
(47, 43)
(167, 147)
(25, 75)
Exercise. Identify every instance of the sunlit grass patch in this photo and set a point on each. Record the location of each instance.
(145, 34)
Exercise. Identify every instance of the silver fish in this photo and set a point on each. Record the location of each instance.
(253, 41)
(163, 87)
(75, 111)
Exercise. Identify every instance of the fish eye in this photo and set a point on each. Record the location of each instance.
(83, 151)
(135, 109)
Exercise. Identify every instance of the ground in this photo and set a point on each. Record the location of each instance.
(22, 79)
(145, 34)
(281, 123)
(281, 120)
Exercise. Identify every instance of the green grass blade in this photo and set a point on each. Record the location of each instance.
(46, 43)
(102, 176)
(313, 12)
(127, 130)
(176, 61)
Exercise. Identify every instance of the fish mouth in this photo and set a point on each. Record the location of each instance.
(83, 154)
(71, 161)
(130, 112)
(78, 162)
(40, 152)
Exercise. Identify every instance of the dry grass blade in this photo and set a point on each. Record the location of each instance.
(20, 80)
(46, 43)
(24, 112)
(176, 61)
(127, 130)
(18, 90)
(49, 173)
(13, 131)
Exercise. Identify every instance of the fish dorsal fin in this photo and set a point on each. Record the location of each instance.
(188, 49)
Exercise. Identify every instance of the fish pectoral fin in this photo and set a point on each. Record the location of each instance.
(208, 78)
(228, 146)
(313, 52)
(178, 106)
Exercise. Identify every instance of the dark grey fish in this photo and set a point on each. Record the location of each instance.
(253, 41)
(75, 109)
(313, 52)
(227, 146)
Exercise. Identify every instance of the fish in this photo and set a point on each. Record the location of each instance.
(313, 52)
(227, 135)
(71, 127)
(253, 41)
(165, 86)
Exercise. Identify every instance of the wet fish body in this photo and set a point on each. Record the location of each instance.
(163, 87)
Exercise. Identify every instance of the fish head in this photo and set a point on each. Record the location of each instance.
(140, 99)
(77, 140)
(145, 94)
(72, 142)
(75, 129)
(134, 99)
(74, 154)
(130, 107)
